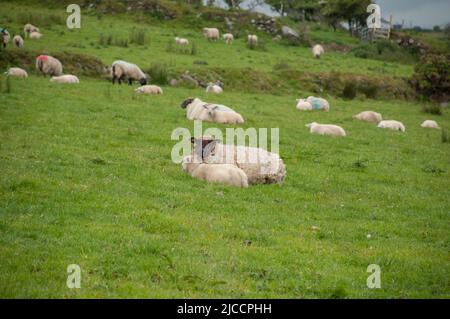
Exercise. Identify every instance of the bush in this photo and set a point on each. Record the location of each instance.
(349, 91)
(435, 109)
(138, 36)
(431, 77)
(159, 73)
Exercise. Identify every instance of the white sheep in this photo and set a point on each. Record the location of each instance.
(5, 37)
(181, 41)
(211, 33)
(229, 38)
(213, 88)
(122, 70)
(326, 129)
(17, 72)
(260, 166)
(46, 64)
(318, 103)
(149, 89)
(318, 50)
(303, 105)
(227, 174)
(65, 79)
(29, 28)
(35, 35)
(392, 125)
(369, 116)
(196, 109)
(430, 124)
(252, 40)
(18, 41)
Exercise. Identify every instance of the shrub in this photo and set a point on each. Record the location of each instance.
(432, 77)
(159, 73)
(138, 36)
(435, 109)
(349, 91)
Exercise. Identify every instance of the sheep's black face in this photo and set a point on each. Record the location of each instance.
(143, 81)
(186, 103)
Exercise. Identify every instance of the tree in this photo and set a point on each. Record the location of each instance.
(233, 4)
(306, 9)
(354, 12)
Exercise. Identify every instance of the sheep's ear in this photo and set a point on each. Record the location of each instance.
(192, 140)
(186, 102)
(215, 107)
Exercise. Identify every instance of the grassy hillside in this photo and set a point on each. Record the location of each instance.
(87, 179)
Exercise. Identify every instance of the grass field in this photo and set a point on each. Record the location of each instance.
(87, 179)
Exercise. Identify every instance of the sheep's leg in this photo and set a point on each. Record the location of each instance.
(130, 82)
(114, 79)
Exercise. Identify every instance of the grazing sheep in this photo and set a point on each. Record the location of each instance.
(318, 103)
(29, 28)
(18, 41)
(229, 38)
(123, 70)
(149, 89)
(392, 125)
(318, 50)
(213, 88)
(369, 116)
(430, 124)
(196, 109)
(46, 64)
(228, 174)
(17, 72)
(5, 36)
(260, 166)
(211, 33)
(181, 41)
(326, 129)
(65, 79)
(252, 40)
(35, 35)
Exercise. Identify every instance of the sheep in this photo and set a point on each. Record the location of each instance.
(122, 70)
(318, 103)
(392, 125)
(149, 89)
(29, 28)
(181, 41)
(318, 50)
(227, 174)
(211, 33)
(260, 166)
(326, 129)
(430, 124)
(213, 88)
(196, 109)
(252, 40)
(65, 79)
(18, 41)
(5, 37)
(369, 116)
(17, 72)
(303, 105)
(35, 35)
(229, 38)
(46, 64)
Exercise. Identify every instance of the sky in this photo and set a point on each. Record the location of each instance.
(423, 13)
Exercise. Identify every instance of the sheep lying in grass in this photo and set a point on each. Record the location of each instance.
(369, 116)
(326, 129)
(196, 109)
(122, 70)
(260, 166)
(48, 65)
(318, 50)
(17, 72)
(4, 36)
(430, 124)
(318, 103)
(211, 33)
(303, 105)
(29, 28)
(227, 174)
(18, 41)
(252, 40)
(229, 38)
(392, 125)
(213, 88)
(149, 89)
(65, 79)
(181, 41)
(35, 35)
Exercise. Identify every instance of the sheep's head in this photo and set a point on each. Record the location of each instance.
(311, 124)
(203, 147)
(211, 110)
(143, 81)
(186, 103)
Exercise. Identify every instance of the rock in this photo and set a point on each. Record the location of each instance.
(289, 33)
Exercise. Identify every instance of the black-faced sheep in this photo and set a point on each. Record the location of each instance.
(122, 70)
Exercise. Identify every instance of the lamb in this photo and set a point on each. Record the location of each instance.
(199, 110)
(65, 79)
(318, 103)
(149, 89)
(326, 129)
(29, 28)
(229, 38)
(213, 88)
(252, 40)
(392, 125)
(18, 41)
(5, 37)
(181, 41)
(228, 174)
(430, 124)
(35, 35)
(303, 105)
(123, 70)
(211, 33)
(17, 72)
(260, 166)
(369, 116)
(318, 50)
(46, 64)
